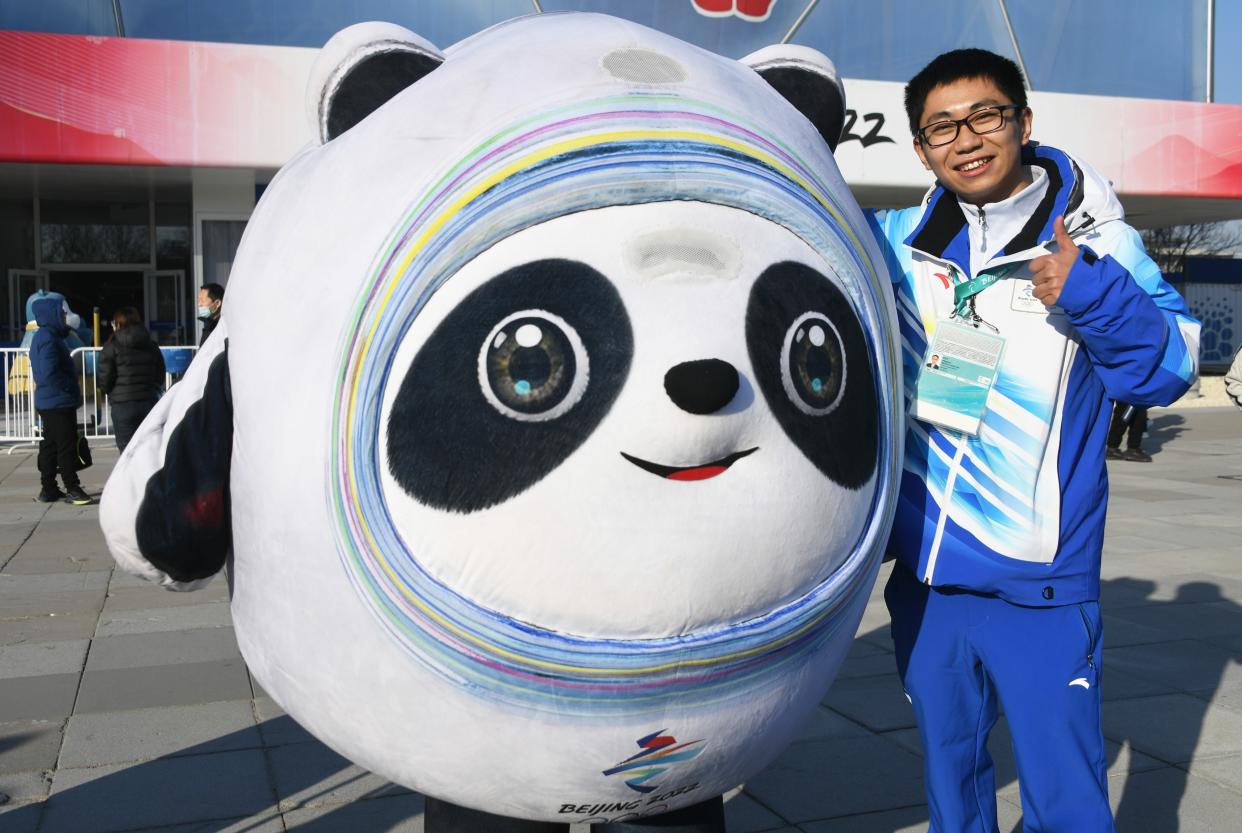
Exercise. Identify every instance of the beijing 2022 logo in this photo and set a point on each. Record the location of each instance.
(658, 752)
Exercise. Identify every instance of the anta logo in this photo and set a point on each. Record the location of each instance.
(944, 279)
(752, 11)
(658, 752)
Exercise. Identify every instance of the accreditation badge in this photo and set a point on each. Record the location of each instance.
(958, 372)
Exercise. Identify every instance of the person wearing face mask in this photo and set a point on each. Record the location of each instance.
(57, 397)
(210, 300)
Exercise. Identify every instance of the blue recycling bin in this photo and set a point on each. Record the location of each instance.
(176, 360)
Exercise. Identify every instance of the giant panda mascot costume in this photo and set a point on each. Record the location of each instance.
(562, 500)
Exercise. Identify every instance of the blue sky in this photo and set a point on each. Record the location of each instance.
(1229, 51)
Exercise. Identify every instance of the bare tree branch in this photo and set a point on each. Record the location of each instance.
(1171, 247)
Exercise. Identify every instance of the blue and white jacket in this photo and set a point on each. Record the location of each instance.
(1018, 511)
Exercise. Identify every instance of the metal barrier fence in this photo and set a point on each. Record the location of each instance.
(20, 421)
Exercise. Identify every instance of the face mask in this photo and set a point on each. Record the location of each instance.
(73, 320)
(204, 313)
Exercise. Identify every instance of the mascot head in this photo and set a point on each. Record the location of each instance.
(586, 449)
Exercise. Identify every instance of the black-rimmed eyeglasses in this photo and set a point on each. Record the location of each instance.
(985, 120)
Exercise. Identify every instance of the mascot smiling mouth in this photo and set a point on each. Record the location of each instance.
(704, 471)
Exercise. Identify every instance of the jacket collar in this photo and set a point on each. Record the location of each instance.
(942, 232)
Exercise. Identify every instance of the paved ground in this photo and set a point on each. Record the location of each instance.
(124, 707)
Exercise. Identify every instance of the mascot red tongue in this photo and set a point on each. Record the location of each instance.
(564, 498)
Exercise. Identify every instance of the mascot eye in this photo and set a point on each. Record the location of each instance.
(533, 366)
(813, 364)
(812, 361)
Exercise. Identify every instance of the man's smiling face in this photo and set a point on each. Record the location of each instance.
(979, 169)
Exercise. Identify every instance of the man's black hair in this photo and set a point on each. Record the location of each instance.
(214, 291)
(957, 65)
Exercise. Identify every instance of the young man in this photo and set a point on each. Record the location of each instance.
(57, 397)
(1018, 263)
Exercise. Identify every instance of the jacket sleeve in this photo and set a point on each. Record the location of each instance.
(1233, 379)
(66, 369)
(107, 367)
(1137, 330)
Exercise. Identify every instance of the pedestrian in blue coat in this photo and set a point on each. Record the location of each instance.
(57, 397)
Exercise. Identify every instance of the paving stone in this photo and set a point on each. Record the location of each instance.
(839, 777)
(47, 628)
(875, 615)
(36, 659)
(38, 698)
(1120, 685)
(20, 818)
(144, 734)
(266, 822)
(25, 786)
(19, 605)
(393, 814)
(1121, 757)
(1226, 696)
(1187, 727)
(878, 702)
(1169, 799)
(276, 727)
(170, 685)
(869, 665)
(1185, 621)
(153, 620)
(122, 580)
(1118, 591)
(162, 648)
(1226, 771)
(53, 582)
(150, 596)
(35, 559)
(745, 815)
(1120, 632)
(905, 820)
(862, 649)
(311, 774)
(1186, 665)
(164, 792)
(825, 724)
(29, 745)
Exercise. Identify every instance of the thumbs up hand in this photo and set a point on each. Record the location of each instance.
(1050, 271)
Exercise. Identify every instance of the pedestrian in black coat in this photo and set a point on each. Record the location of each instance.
(131, 373)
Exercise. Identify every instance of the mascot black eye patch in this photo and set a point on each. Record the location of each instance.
(811, 361)
(513, 380)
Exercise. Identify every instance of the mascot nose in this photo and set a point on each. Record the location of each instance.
(701, 387)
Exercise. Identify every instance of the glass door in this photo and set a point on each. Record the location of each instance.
(22, 284)
(165, 303)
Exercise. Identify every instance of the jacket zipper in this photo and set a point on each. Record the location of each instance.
(1086, 623)
(983, 227)
(934, 551)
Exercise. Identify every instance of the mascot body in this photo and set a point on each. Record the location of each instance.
(566, 504)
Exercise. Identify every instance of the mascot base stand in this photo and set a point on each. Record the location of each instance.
(443, 817)
(569, 509)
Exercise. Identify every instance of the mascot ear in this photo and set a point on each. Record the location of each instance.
(807, 80)
(359, 69)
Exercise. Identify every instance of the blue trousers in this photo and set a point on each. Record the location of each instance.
(958, 653)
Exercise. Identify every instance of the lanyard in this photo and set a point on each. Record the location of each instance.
(964, 291)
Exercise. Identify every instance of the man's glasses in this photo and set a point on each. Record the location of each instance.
(986, 120)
